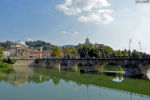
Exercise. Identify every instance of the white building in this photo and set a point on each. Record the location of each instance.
(6, 53)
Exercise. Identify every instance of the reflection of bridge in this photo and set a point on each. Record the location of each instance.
(126, 63)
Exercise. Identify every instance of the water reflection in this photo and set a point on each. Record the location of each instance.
(70, 84)
(119, 78)
(148, 73)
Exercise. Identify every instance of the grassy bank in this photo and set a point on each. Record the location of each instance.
(6, 62)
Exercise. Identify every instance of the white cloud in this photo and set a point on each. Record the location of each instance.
(108, 19)
(29, 39)
(63, 32)
(99, 17)
(93, 9)
(71, 33)
(76, 33)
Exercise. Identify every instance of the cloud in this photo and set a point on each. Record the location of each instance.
(76, 33)
(87, 10)
(72, 33)
(29, 39)
(74, 7)
(63, 32)
(99, 17)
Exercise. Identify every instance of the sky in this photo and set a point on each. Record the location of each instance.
(65, 22)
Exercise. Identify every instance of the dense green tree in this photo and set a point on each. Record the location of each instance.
(88, 51)
(56, 53)
(39, 43)
(118, 53)
(136, 54)
(70, 53)
(74, 53)
(125, 53)
(94, 52)
(6, 45)
(67, 52)
(79, 48)
(1, 52)
(84, 50)
(105, 51)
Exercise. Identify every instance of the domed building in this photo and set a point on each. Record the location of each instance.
(19, 50)
(19, 44)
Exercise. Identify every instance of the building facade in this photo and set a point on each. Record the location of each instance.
(20, 50)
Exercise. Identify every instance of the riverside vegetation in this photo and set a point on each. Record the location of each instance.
(6, 64)
(81, 50)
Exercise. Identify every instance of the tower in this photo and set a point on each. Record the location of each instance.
(87, 41)
(140, 46)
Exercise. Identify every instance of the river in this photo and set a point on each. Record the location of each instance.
(26, 83)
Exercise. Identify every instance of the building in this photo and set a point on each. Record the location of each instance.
(6, 53)
(46, 54)
(98, 45)
(32, 54)
(19, 50)
(87, 41)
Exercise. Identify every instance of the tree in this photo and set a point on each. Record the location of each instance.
(39, 43)
(6, 44)
(118, 53)
(84, 50)
(125, 53)
(136, 54)
(56, 53)
(74, 53)
(1, 52)
(94, 52)
(70, 53)
(67, 52)
(105, 51)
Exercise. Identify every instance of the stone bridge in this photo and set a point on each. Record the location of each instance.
(132, 66)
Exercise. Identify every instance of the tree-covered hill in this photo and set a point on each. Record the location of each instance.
(39, 43)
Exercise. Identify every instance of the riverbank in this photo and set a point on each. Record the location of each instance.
(6, 66)
(6, 63)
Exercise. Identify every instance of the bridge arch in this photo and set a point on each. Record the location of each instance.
(145, 69)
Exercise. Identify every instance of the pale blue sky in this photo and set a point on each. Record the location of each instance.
(52, 21)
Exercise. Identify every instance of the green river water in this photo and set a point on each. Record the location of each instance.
(26, 83)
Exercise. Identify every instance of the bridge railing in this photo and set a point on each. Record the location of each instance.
(108, 58)
(100, 58)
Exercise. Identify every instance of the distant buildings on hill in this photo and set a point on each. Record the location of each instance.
(20, 50)
(87, 42)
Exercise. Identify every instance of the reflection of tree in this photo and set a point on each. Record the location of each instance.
(7, 70)
(56, 80)
(16, 76)
(39, 75)
(1, 79)
(118, 78)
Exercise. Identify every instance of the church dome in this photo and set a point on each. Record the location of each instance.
(20, 43)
